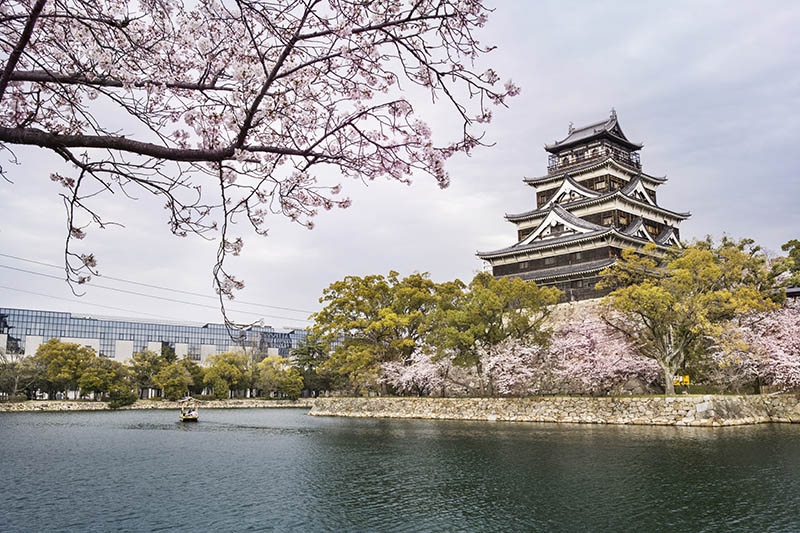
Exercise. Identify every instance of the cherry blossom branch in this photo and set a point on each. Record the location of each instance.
(13, 58)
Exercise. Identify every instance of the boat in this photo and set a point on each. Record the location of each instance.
(189, 411)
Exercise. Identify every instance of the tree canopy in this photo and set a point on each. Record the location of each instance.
(668, 308)
(372, 320)
(228, 371)
(255, 97)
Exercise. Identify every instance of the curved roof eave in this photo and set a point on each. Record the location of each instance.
(513, 250)
(536, 213)
(588, 167)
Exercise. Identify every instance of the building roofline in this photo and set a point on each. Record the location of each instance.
(562, 241)
(590, 166)
(537, 213)
(564, 271)
(604, 128)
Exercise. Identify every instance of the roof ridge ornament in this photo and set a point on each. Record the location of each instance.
(571, 127)
(613, 114)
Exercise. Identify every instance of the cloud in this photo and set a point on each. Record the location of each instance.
(711, 88)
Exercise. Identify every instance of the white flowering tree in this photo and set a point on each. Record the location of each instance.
(763, 348)
(591, 356)
(231, 108)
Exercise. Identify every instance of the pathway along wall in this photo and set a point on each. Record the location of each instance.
(58, 405)
(654, 410)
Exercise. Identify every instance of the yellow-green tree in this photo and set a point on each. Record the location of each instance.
(488, 312)
(276, 374)
(102, 375)
(372, 319)
(228, 371)
(145, 365)
(174, 379)
(61, 364)
(669, 309)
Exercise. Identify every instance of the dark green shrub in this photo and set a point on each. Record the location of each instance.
(120, 398)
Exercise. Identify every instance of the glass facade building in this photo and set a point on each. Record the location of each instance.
(23, 330)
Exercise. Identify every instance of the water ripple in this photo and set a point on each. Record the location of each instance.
(279, 470)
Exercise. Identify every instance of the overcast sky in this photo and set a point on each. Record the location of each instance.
(712, 89)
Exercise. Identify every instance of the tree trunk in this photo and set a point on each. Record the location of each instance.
(479, 371)
(669, 380)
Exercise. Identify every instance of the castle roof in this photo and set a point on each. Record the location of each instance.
(667, 237)
(619, 193)
(609, 129)
(588, 167)
(566, 270)
(548, 243)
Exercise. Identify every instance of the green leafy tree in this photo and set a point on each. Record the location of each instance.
(145, 365)
(120, 398)
(308, 359)
(788, 268)
(17, 373)
(670, 309)
(488, 312)
(168, 352)
(370, 320)
(174, 379)
(228, 371)
(291, 385)
(276, 374)
(101, 375)
(197, 374)
(61, 364)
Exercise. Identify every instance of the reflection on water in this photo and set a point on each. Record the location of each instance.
(282, 470)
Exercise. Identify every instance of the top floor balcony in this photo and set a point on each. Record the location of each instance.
(562, 161)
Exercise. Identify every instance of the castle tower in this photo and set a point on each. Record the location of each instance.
(593, 202)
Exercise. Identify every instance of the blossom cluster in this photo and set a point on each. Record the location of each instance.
(256, 96)
(584, 356)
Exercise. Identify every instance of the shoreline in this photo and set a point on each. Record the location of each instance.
(59, 406)
(684, 410)
(695, 411)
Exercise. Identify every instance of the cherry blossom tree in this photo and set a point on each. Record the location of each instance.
(592, 356)
(764, 347)
(518, 367)
(420, 374)
(585, 356)
(230, 110)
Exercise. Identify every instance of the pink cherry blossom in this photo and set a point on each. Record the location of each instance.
(228, 110)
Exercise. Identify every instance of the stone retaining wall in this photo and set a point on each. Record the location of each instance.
(704, 410)
(56, 405)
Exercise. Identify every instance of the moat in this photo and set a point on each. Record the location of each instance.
(279, 469)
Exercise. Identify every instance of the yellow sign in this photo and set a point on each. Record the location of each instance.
(681, 380)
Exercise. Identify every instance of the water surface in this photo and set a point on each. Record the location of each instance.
(279, 469)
